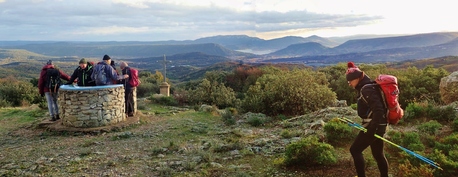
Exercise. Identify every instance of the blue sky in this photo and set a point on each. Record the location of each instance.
(158, 20)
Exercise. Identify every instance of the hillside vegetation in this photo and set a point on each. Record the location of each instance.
(266, 120)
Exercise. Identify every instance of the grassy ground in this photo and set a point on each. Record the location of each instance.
(166, 142)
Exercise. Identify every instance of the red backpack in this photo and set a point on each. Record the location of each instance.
(133, 80)
(390, 94)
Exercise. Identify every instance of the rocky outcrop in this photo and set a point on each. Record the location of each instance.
(448, 88)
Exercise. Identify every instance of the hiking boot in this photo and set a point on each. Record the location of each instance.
(57, 117)
(131, 114)
(53, 118)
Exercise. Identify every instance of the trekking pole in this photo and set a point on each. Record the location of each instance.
(360, 127)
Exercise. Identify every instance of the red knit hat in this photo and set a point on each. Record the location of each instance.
(353, 72)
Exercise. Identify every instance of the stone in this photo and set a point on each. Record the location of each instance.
(92, 108)
(448, 88)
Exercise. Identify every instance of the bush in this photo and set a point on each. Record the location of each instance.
(147, 89)
(338, 133)
(228, 117)
(309, 152)
(411, 141)
(455, 125)
(450, 167)
(165, 100)
(15, 93)
(407, 169)
(414, 111)
(213, 93)
(289, 93)
(256, 119)
(445, 114)
(430, 127)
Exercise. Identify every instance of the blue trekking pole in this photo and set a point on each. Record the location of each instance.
(360, 127)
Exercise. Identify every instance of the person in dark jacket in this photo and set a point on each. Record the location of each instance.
(83, 74)
(371, 109)
(111, 75)
(51, 97)
(129, 90)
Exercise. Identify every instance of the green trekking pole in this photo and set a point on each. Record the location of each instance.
(360, 127)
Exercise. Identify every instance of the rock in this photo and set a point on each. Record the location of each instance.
(448, 88)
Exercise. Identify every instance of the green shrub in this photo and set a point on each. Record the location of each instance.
(15, 93)
(450, 167)
(445, 114)
(455, 125)
(414, 111)
(228, 117)
(146, 89)
(411, 141)
(309, 152)
(354, 106)
(407, 169)
(213, 93)
(430, 127)
(294, 92)
(448, 143)
(165, 100)
(338, 133)
(257, 119)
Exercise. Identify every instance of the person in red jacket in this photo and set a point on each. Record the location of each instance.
(50, 93)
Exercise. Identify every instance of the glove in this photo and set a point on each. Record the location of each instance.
(42, 95)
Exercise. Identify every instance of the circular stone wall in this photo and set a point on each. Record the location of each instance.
(95, 106)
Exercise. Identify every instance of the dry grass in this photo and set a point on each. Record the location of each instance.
(164, 143)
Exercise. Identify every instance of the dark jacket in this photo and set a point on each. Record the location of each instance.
(111, 74)
(125, 82)
(83, 75)
(370, 104)
(43, 80)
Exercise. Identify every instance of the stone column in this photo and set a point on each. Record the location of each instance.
(95, 106)
(165, 89)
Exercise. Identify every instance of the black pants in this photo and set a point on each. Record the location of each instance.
(129, 99)
(362, 141)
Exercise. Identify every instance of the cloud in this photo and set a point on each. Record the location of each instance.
(154, 20)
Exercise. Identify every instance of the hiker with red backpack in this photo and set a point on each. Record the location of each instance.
(129, 85)
(48, 85)
(371, 107)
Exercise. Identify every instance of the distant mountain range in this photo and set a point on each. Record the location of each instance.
(209, 50)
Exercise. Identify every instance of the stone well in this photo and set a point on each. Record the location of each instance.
(94, 106)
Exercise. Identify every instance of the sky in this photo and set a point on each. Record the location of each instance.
(160, 20)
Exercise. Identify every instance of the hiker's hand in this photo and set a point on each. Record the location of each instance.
(42, 95)
(126, 76)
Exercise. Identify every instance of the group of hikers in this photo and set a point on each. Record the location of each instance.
(86, 74)
(370, 106)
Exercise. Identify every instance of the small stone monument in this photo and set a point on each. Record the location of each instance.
(165, 87)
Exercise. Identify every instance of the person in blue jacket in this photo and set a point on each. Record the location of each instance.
(105, 74)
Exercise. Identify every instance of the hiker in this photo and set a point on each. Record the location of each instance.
(105, 74)
(83, 73)
(113, 64)
(48, 85)
(129, 90)
(371, 109)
